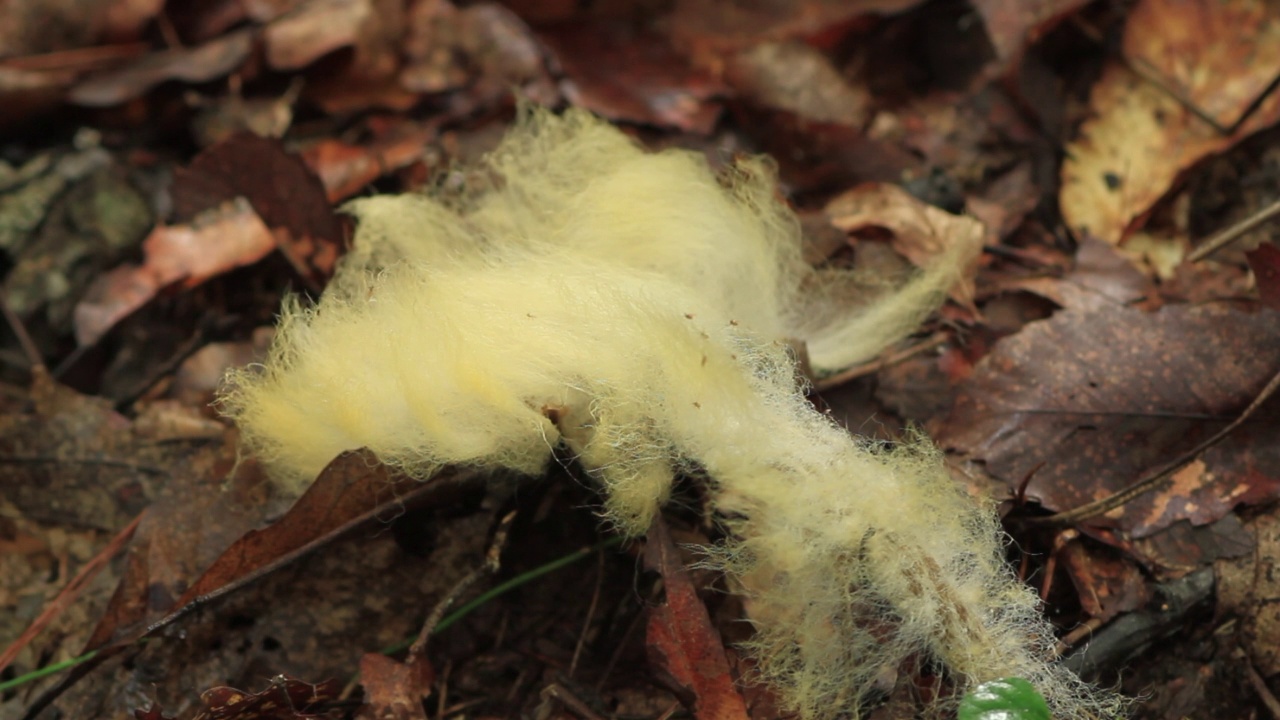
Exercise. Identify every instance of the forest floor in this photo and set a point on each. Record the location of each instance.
(169, 173)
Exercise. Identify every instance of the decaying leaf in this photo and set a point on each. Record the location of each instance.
(1249, 588)
(206, 62)
(1217, 56)
(1012, 25)
(222, 239)
(394, 690)
(284, 699)
(920, 231)
(1129, 153)
(1087, 402)
(681, 640)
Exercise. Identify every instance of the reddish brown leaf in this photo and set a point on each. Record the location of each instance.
(280, 187)
(219, 240)
(711, 27)
(1265, 264)
(394, 690)
(198, 64)
(1098, 399)
(1013, 25)
(681, 640)
(1107, 585)
(284, 699)
(347, 169)
(635, 76)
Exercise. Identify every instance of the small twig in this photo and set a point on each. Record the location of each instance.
(875, 366)
(70, 592)
(442, 696)
(591, 612)
(1107, 504)
(491, 564)
(1235, 232)
(571, 702)
(1083, 630)
(1264, 692)
(1051, 565)
(24, 338)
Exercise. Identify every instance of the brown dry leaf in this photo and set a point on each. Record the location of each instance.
(709, 28)
(74, 460)
(202, 63)
(219, 240)
(1088, 402)
(681, 640)
(284, 699)
(1249, 589)
(1131, 151)
(1107, 585)
(37, 27)
(1218, 56)
(799, 78)
(631, 75)
(920, 231)
(313, 30)
(345, 169)
(394, 690)
(283, 191)
(1014, 25)
(1264, 261)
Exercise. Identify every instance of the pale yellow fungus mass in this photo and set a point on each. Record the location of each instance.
(636, 307)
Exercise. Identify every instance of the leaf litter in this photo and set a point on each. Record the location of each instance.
(1068, 370)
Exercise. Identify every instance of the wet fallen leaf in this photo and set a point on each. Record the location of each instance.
(394, 690)
(1088, 402)
(202, 63)
(681, 639)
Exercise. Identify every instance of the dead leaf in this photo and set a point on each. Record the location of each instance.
(709, 28)
(920, 232)
(681, 639)
(1107, 585)
(284, 699)
(1249, 589)
(202, 63)
(345, 169)
(1088, 402)
(312, 30)
(74, 460)
(1129, 154)
(1014, 25)
(394, 690)
(1264, 261)
(219, 240)
(624, 74)
(1218, 56)
(800, 79)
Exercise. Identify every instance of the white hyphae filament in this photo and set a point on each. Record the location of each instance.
(636, 307)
